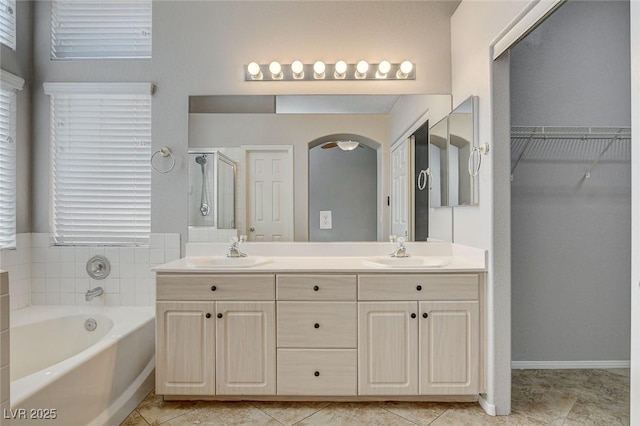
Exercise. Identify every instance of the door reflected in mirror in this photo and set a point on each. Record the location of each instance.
(462, 186)
(439, 164)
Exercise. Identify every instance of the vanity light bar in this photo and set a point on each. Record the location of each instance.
(318, 71)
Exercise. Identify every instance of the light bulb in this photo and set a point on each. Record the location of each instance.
(297, 68)
(318, 69)
(254, 71)
(275, 69)
(383, 69)
(361, 69)
(340, 69)
(406, 67)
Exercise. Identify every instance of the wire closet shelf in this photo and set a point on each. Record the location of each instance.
(586, 144)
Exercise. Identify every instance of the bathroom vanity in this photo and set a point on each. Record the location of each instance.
(331, 328)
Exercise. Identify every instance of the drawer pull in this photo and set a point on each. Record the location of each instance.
(413, 315)
(208, 315)
(419, 288)
(214, 288)
(425, 315)
(317, 373)
(316, 288)
(316, 325)
(219, 315)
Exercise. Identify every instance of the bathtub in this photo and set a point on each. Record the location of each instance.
(62, 374)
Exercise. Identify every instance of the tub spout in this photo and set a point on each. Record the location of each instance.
(93, 293)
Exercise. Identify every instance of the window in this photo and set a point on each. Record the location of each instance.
(8, 23)
(100, 151)
(99, 29)
(9, 84)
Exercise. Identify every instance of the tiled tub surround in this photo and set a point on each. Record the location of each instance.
(41, 274)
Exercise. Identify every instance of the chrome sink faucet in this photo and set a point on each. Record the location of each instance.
(401, 250)
(233, 249)
(93, 293)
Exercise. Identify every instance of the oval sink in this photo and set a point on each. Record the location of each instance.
(407, 262)
(225, 262)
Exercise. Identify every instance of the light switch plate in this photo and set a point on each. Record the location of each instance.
(325, 219)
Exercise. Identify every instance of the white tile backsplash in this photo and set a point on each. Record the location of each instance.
(43, 274)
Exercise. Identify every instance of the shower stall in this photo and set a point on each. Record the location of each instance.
(212, 189)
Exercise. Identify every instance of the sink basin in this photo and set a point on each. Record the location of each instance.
(407, 262)
(225, 262)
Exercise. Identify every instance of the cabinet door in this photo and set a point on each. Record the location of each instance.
(245, 348)
(185, 348)
(387, 348)
(449, 348)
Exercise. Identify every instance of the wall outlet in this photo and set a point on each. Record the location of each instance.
(325, 219)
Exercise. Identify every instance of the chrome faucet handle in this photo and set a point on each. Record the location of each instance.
(243, 238)
(401, 251)
(393, 238)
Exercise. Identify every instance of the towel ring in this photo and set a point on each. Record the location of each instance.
(165, 152)
(474, 168)
(425, 179)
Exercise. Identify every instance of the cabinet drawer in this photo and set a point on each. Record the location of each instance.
(215, 287)
(317, 324)
(316, 287)
(317, 372)
(418, 287)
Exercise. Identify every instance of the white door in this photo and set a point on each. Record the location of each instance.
(269, 193)
(400, 188)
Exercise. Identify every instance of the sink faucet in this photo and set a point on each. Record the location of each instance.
(233, 249)
(93, 293)
(401, 250)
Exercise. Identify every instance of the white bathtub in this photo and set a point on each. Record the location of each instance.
(80, 377)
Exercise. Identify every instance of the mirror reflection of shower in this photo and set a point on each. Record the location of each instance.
(212, 189)
(204, 203)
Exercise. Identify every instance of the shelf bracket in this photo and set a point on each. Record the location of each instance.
(587, 174)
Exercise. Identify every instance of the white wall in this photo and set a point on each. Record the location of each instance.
(571, 237)
(475, 26)
(200, 47)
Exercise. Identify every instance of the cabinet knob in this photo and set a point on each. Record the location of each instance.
(316, 288)
(208, 315)
(219, 315)
(425, 315)
(317, 373)
(413, 315)
(419, 288)
(316, 325)
(214, 288)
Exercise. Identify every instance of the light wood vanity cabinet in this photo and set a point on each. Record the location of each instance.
(224, 344)
(418, 346)
(342, 335)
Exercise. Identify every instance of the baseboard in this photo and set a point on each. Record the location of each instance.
(542, 365)
(489, 408)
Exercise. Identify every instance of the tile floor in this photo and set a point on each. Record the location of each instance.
(539, 397)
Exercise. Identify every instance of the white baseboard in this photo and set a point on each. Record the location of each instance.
(541, 365)
(489, 408)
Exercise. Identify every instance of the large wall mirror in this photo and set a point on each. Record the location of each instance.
(311, 126)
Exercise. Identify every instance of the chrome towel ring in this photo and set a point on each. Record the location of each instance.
(165, 152)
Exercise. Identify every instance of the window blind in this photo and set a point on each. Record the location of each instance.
(9, 84)
(101, 182)
(8, 23)
(96, 29)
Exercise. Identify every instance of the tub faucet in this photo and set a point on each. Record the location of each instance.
(93, 293)
(233, 249)
(401, 250)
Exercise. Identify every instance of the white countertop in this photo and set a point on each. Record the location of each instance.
(322, 264)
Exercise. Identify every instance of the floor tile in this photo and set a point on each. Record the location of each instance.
(466, 415)
(224, 413)
(289, 413)
(420, 413)
(156, 411)
(134, 419)
(543, 404)
(354, 414)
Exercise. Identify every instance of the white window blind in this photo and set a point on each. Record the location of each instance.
(8, 23)
(9, 85)
(97, 29)
(100, 145)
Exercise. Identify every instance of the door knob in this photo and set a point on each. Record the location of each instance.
(252, 229)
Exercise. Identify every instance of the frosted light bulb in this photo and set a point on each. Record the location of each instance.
(319, 67)
(384, 67)
(406, 67)
(362, 67)
(275, 68)
(341, 67)
(297, 67)
(253, 68)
